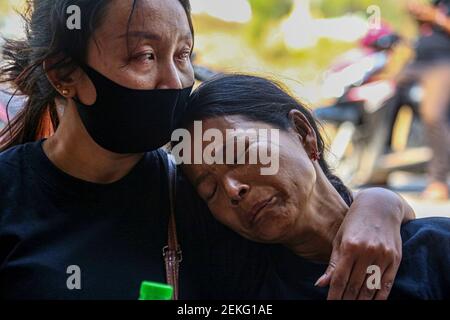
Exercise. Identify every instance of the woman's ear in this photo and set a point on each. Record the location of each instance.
(306, 133)
(62, 79)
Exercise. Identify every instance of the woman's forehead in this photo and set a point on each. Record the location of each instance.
(225, 122)
(155, 19)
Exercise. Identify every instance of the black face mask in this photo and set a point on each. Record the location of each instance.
(124, 120)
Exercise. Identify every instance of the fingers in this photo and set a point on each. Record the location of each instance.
(383, 285)
(357, 280)
(340, 277)
(368, 292)
(348, 274)
(325, 279)
(350, 279)
(388, 262)
(387, 282)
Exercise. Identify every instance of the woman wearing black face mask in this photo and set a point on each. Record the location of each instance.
(93, 196)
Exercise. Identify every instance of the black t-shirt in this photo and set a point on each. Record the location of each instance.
(424, 272)
(115, 234)
(434, 44)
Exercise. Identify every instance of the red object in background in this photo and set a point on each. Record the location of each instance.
(46, 127)
(374, 34)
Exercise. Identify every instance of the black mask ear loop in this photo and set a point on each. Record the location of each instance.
(92, 74)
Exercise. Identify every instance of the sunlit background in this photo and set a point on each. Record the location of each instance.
(294, 41)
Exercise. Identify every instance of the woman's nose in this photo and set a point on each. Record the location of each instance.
(236, 190)
(169, 77)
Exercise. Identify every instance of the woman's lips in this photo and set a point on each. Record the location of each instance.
(254, 213)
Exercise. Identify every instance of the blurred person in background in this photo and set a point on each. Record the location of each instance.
(432, 67)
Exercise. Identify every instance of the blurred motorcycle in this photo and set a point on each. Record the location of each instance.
(376, 120)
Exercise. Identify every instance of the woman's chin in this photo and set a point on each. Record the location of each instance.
(272, 230)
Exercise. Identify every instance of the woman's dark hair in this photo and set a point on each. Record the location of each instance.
(48, 37)
(256, 99)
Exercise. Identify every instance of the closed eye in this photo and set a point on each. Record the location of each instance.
(212, 194)
(207, 191)
(206, 186)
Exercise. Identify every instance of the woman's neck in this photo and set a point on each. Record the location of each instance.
(73, 151)
(319, 221)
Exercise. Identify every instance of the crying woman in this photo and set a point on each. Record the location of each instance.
(304, 204)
